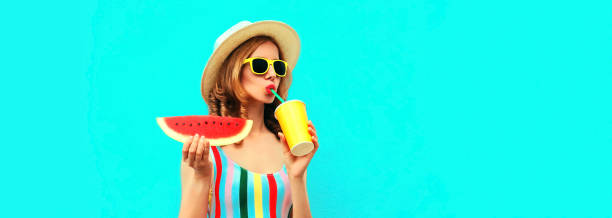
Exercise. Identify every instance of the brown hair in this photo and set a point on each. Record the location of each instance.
(229, 99)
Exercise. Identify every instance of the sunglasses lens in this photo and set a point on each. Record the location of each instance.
(280, 68)
(259, 65)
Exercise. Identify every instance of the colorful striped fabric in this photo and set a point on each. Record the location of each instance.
(237, 192)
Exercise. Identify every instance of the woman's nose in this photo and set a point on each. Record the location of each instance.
(271, 74)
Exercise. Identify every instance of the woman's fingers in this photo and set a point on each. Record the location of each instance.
(312, 130)
(193, 148)
(282, 137)
(315, 141)
(206, 150)
(200, 149)
(313, 133)
(311, 125)
(186, 147)
(314, 137)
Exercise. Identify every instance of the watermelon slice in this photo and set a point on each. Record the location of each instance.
(217, 130)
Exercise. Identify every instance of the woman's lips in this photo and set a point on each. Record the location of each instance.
(268, 89)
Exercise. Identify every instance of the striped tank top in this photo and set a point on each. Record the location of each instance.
(237, 192)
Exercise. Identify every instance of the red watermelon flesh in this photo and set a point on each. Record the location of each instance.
(217, 130)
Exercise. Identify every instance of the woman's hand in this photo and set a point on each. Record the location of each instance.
(196, 177)
(296, 166)
(195, 155)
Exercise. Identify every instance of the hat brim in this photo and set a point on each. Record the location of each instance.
(285, 37)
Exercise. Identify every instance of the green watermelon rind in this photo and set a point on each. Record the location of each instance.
(213, 142)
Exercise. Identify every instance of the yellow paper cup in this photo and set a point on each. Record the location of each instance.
(292, 118)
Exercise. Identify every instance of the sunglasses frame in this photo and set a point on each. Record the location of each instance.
(270, 62)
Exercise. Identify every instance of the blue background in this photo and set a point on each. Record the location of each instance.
(424, 108)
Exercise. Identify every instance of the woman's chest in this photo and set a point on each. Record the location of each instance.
(263, 161)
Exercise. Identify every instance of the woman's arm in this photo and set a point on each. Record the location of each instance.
(296, 170)
(194, 195)
(196, 177)
(299, 197)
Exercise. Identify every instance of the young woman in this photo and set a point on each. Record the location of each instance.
(257, 177)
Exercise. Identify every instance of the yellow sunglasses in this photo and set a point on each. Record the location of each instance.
(260, 66)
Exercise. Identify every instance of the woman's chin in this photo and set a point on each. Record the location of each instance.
(269, 100)
(266, 99)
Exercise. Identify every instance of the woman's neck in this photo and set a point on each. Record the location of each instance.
(255, 112)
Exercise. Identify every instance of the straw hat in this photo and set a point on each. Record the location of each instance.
(285, 37)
